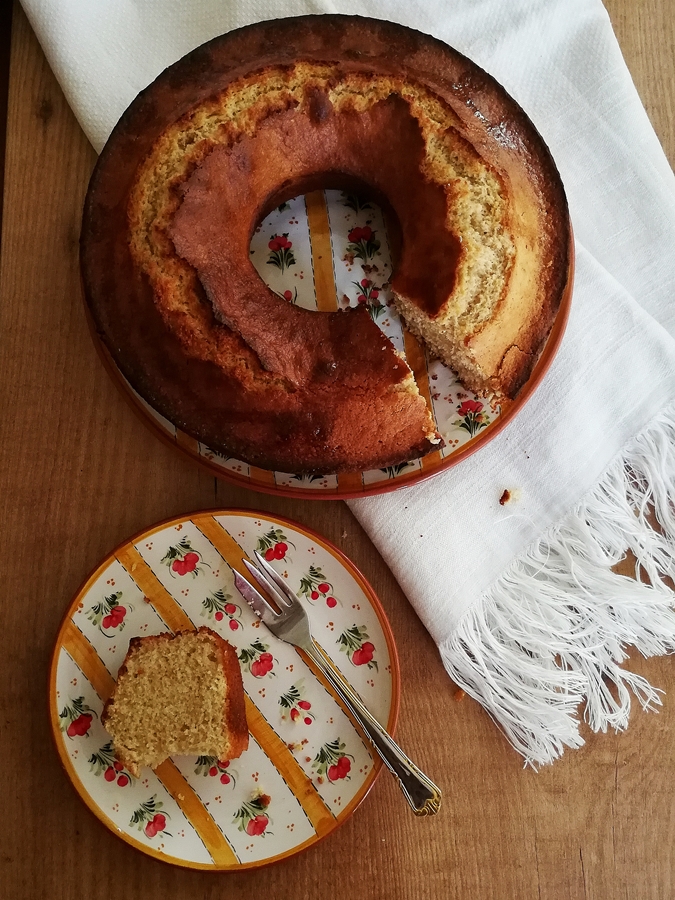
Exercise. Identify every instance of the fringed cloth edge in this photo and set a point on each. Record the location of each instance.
(551, 633)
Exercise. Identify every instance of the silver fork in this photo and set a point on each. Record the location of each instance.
(291, 625)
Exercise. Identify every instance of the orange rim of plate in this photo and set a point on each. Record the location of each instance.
(432, 464)
(392, 720)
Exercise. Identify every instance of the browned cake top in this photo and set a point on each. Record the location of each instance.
(326, 101)
(290, 149)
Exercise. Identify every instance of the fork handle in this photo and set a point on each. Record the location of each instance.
(419, 790)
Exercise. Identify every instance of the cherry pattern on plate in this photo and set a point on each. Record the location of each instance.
(253, 817)
(395, 470)
(257, 659)
(472, 416)
(296, 705)
(103, 762)
(314, 586)
(213, 767)
(76, 718)
(281, 255)
(108, 614)
(291, 296)
(273, 544)
(219, 605)
(363, 244)
(354, 642)
(355, 202)
(182, 559)
(332, 761)
(368, 294)
(148, 819)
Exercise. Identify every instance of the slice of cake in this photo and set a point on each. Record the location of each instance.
(177, 694)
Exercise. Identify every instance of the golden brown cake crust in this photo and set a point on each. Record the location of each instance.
(279, 411)
(235, 710)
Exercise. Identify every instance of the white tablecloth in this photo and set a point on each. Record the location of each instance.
(521, 599)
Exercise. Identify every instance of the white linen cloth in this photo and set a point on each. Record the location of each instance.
(521, 599)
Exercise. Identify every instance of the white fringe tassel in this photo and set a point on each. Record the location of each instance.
(551, 632)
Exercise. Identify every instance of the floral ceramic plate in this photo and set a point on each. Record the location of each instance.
(307, 767)
(329, 250)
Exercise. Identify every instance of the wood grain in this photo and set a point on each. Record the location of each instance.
(80, 473)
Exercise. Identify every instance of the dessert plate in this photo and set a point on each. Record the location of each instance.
(307, 767)
(329, 250)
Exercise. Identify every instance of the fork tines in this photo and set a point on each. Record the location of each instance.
(275, 578)
(269, 586)
(255, 599)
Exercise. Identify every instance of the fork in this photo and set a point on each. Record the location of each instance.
(291, 624)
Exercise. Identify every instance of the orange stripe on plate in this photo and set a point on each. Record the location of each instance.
(86, 657)
(186, 442)
(196, 813)
(225, 544)
(261, 476)
(432, 460)
(322, 251)
(350, 481)
(223, 541)
(154, 590)
(318, 813)
(416, 359)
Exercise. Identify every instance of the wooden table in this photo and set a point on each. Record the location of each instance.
(80, 473)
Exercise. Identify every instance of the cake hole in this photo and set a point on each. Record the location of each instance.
(328, 249)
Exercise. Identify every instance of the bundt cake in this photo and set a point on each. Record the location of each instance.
(177, 694)
(277, 109)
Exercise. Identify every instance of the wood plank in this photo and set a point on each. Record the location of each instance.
(5, 48)
(80, 474)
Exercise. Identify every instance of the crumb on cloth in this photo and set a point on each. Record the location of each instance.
(509, 495)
